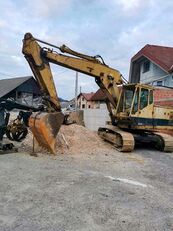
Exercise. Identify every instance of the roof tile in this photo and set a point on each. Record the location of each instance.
(160, 55)
(99, 95)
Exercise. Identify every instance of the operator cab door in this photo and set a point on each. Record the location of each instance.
(142, 106)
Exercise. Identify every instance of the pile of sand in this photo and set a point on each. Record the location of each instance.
(71, 139)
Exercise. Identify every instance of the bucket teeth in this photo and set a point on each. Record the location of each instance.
(45, 127)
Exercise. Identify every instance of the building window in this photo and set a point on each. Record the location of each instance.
(159, 83)
(89, 106)
(146, 66)
(82, 98)
(83, 105)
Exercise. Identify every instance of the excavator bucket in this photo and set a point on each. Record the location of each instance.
(45, 127)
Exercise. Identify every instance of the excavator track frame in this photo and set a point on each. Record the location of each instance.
(123, 141)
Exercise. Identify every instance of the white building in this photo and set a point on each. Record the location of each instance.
(152, 65)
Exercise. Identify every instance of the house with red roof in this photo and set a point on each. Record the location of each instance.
(91, 100)
(98, 98)
(152, 65)
(84, 100)
(95, 113)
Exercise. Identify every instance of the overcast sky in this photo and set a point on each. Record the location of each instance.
(115, 29)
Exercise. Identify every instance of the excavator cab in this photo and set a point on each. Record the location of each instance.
(136, 100)
(124, 105)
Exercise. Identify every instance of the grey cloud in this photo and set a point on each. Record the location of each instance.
(114, 29)
(47, 8)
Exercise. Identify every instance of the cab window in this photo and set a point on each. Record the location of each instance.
(144, 98)
(128, 97)
(151, 97)
(136, 100)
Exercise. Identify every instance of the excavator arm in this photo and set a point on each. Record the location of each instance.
(39, 59)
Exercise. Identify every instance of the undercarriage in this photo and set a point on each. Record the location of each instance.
(125, 141)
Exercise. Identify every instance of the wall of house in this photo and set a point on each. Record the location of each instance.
(169, 81)
(163, 97)
(98, 104)
(83, 103)
(26, 93)
(89, 104)
(154, 73)
(30, 86)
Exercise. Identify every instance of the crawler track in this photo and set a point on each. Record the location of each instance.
(123, 141)
(165, 141)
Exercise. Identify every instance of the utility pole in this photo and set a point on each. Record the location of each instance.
(76, 90)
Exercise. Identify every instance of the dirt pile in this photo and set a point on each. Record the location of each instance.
(71, 139)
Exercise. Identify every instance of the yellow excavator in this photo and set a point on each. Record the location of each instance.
(134, 117)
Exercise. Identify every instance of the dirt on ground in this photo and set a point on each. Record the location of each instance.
(100, 191)
(91, 187)
(70, 139)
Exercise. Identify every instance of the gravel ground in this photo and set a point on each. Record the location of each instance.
(101, 191)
